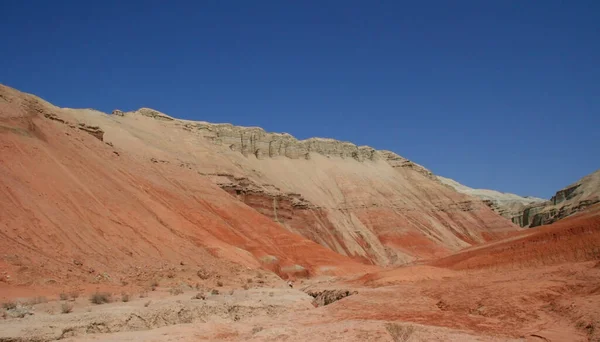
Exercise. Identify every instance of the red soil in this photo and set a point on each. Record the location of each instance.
(576, 238)
(74, 210)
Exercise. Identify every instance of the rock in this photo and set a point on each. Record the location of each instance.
(95, 131)
(566, 202)
(327, 297)
(508, 205)
(118, 112)
(532, 211)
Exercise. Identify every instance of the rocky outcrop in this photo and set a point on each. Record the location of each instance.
(508, 205)
(256, 141)
(326, 297)
(566, 202)
(154, 114)
(532, 211)
(397, 161)
(95, 131)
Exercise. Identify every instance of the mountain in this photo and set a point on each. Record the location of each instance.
(112, 191)
(566, 202)
(152, 207)
(508, 205)
(532, 211)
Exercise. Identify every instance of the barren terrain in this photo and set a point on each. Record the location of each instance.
(139, 226)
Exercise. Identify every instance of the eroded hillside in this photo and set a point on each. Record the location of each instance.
(141, 185)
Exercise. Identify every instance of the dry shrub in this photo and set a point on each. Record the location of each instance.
(245, 287)
(153, 285)
(143, 294)
(19, 311)
(249, 280)
(199, 295)
(176, 291)
(256, 330)
(147, 303)
(74, 295)
(124, 297)
(66, 308)
(214, 292)
(271, 294)
(400, 333)
(202, 274)
(101, 298)
(219, 283)
(16, 309)
(63, 296)
(10, 305)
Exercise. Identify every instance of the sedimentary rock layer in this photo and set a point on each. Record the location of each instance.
(241, 192)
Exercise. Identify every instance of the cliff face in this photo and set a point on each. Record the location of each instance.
(508, 205)
(567, 201)
(237, 190)
(533, 212)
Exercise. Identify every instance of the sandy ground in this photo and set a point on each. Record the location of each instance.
(551, 303)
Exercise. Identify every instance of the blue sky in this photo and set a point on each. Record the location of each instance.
(495, 94)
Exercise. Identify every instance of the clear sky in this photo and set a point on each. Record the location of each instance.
(494, 94)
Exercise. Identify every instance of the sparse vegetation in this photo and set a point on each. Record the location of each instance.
(400, 333)
(10, 305)
(199, 295)
(16, 309)
(143, 294)
(153, 285)
(214, 292)
(124, 297)
(176, 291)
(63, 296)
(256, 330)
(202, 274)
(271, 294)
(219, 283)
(66, 308)
(147, 303)
(249, 280)
(101, 298)
(74, 295)
(245, 287)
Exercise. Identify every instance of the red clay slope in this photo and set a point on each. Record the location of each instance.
(73, 209)
(576, 238)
